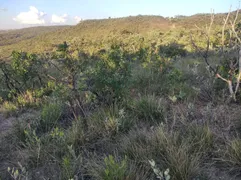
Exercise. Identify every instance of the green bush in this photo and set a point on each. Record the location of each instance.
(111, 169)
(70, 164)
(8, 108)
(172, 50)
(115, 170)
(111, 76)
(34, 145)
(28, 100)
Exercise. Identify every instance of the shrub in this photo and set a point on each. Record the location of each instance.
(28, 99)
(172, 50)
(34, 145)
(111, 169)
(70, 164)
(18, 174)
(159, 174)
(25, 71)
(111, 76)
(9, 108)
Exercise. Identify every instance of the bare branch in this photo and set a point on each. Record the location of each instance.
(220, 77)
(224, 27)
(211, 22)
(239, 73)
(233, 64)
(233, 26)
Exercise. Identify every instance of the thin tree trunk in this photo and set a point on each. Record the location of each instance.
(239, 73)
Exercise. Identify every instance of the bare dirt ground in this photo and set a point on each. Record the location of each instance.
(5, 124)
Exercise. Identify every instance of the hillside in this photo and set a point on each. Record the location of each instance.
(131, 98)
(9, 37)
(93, 35)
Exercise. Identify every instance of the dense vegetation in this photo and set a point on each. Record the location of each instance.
(122, 103)
(94, 35)
(14, 36)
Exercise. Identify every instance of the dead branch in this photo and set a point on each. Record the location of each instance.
(232, 65)
(224, 27)
(239, 73)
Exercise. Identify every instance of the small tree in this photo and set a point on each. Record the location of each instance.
(230, 45)
(25, 71)
(72, 64)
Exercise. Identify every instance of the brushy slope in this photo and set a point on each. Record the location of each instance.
(144, 106)
(95, 34)
(9, 37)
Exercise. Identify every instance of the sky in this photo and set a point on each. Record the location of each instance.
(28, 13)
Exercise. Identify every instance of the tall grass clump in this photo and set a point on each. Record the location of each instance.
(176, 153)
(75, 134)
(136, 145)
(149, 108)
(172, 150)
(146, 80)
(231, 157)
(111, 120)
(201, 138)
(50, 115)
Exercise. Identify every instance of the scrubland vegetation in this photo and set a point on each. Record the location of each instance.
(137, 106)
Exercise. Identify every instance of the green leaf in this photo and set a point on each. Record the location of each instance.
(173, 98)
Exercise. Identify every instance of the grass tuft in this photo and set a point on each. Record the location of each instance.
(149, 108)
(50, 115)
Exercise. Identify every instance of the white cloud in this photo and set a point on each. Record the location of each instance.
(33, 16)
(59, 19)
(3, 9)
(78, 19)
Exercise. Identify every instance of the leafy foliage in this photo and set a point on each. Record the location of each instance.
(115, 170)
(160, 175)
(111, 75)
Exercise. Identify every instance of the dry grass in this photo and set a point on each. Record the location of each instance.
(193, 139)
(187, 147)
